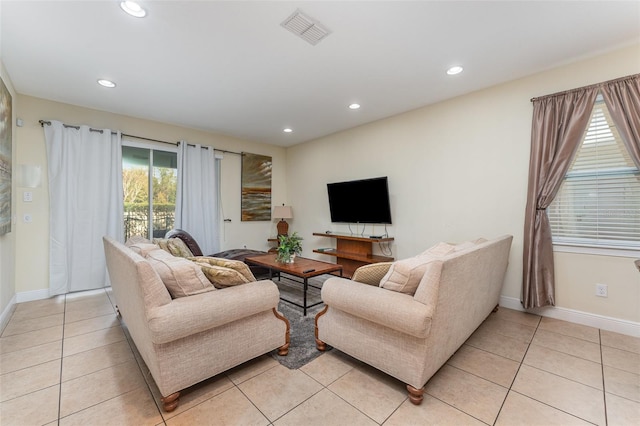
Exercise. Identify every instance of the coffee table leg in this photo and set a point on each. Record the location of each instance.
(304, 309)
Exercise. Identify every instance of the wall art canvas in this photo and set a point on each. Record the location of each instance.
(256, 187)
(5, 158)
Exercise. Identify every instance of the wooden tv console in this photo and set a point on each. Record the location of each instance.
(353, 251)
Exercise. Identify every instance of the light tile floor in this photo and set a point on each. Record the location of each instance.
(68, 361)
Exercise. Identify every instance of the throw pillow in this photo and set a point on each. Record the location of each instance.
(143, 248)
(137, 239)
(220, 276)
(440, 249)
(236, 265)
(180, 276)
(371, 274)
(468, 244)
(404, 275)
(175, 246)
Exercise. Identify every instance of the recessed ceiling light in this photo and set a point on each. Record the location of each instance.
(106, 83)
(454, 70)
(287, 130)
(133, 9)
(354, 106)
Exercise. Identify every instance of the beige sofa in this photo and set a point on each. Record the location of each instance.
(411, 336)
(189, 339)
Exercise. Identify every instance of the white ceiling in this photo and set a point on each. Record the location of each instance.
(229, 67)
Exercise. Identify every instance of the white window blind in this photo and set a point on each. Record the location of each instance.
(598, 204)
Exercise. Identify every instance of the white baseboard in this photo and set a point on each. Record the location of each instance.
(30, 296)
(25, 296)
(592, 320)
(6, 313)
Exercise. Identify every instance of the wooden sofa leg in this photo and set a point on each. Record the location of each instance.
(284, 349)
(415, 395)
(496, 308)
(169, 403)
(320, 345)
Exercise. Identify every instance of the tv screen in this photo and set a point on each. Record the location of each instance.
(360, 201)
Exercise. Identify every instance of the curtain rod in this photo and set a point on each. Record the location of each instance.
(615, 80)
(48, 123)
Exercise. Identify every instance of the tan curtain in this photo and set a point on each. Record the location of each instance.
(559, 122)
(623, 100)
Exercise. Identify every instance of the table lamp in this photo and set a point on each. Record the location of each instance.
(283, 212)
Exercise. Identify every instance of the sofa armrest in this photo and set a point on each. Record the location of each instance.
(189, 315)
(385, 307)
(371, 274)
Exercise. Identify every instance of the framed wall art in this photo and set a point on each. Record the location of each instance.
(6, 121)
(256, 187)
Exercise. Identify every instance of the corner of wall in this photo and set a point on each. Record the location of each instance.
(7, 241)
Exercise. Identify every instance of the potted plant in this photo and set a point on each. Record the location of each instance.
(288, 247)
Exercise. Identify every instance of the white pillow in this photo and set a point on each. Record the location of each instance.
(143, 248)
(405, 275)
(181, 276)
(468, 244)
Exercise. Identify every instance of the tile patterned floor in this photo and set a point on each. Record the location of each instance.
(68, 361)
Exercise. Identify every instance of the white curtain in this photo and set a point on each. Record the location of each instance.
(86, 203)
(197, 196)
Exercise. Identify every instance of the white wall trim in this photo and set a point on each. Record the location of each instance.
(6, 313)
(592, 320)
(30, 296)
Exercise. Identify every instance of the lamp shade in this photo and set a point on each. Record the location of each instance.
(283, 212)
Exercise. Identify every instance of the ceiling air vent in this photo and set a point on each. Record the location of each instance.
(305, 27)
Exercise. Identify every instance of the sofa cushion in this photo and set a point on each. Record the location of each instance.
(236, 265)
(221, 276)
(181, 276)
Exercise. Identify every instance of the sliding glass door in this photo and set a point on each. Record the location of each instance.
(149, 179)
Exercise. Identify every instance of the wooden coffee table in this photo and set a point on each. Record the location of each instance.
(302, 268)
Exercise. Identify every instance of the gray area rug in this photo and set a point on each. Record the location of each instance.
(302, 348)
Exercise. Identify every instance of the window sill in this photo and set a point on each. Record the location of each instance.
(598, 251)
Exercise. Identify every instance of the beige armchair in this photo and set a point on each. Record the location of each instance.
(410, 336)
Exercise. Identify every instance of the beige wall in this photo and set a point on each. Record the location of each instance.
(458, 170)
(32, 242)
(7, 241)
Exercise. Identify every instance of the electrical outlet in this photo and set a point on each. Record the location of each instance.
(601, 290)
(27, 196)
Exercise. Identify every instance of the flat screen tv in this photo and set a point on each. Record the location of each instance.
(360, 201)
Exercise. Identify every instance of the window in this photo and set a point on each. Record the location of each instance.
(149, 180)
(598, 204)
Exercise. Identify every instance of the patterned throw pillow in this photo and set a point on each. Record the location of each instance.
(236, 265)
(220, 276)
(175, 246)
(180, 276)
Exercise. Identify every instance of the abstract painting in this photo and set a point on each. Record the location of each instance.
(5, 159)
(256, 187)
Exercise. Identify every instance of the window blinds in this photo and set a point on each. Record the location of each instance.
(599, 201)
